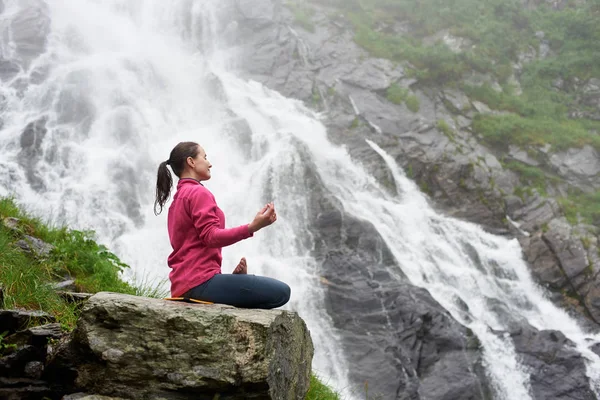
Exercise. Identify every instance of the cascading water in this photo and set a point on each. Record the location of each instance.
(117, 86)
(117, 83)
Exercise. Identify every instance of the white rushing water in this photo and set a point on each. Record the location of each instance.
(120, 82)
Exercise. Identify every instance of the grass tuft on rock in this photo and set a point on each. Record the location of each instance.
(28, 277)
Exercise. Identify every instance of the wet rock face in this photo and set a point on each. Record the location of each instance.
(558, 371)
(396, 338)
(580, 166)
(381, 318)
(29, 31)
(31, 151)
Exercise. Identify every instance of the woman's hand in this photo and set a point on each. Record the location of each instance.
(265, 217)
(241, 268)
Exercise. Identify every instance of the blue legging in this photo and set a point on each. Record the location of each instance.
(243, 291)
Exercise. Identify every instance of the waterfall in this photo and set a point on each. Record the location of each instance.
(95, 94)
(115, 86)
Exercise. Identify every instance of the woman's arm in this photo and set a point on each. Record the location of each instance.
(203, 210)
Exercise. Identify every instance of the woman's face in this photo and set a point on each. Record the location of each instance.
(200, 165)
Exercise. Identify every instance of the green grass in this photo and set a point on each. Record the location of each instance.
(319, 391)
(27, 279)
(584, 207)
(443, 127)
(399, 95)
(531, 177)
(503, 130)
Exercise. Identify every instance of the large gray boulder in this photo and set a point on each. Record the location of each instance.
(557, 370)
(142, 348)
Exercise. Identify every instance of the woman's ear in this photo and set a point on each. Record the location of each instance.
(190, 161)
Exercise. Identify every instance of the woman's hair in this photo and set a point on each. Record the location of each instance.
(164, 180)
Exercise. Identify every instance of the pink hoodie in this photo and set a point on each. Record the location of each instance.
(197, 232)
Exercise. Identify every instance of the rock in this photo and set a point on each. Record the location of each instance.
(463, 122)
(570, 253)
(138, 348)
(14, 320)
(37, 336)
(68, 284)
(543, 262)
(35, 246)
(557, 369)
(521, 155)
(455, 44)
(14, 363)
(580, 166)
(458, 101)
(31, 152)
(84, 396)
(40, 334)
(536, 213)
(24, 389)
(34, 369)
(553, 4)
(544, 50)
(11, 223)
(475, 78)
(481, 107)
(394, 335)
(373, 74)
(592, 86)
(560, 262)
(29, 30)
(74, 297)
(525, 57)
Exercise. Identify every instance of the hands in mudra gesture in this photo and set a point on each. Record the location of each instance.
(265, 217)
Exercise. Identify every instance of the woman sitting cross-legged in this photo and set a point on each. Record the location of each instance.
(197, 233)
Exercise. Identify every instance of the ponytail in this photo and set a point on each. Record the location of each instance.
(164, 182)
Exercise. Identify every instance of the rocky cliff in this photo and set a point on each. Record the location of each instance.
(309, 52)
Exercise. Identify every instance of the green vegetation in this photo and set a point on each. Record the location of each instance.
(27, 278)
(531, 177)
(399, 95)
(4, 346)
(412, 103)
(502, 130)
(584, 207)
(488, 39)
(497, 31)
(302, 15)
(443, 127)
(320, 391)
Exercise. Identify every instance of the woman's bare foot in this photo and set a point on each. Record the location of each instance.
(242, 267)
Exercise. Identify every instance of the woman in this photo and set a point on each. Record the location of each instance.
(197, 233)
